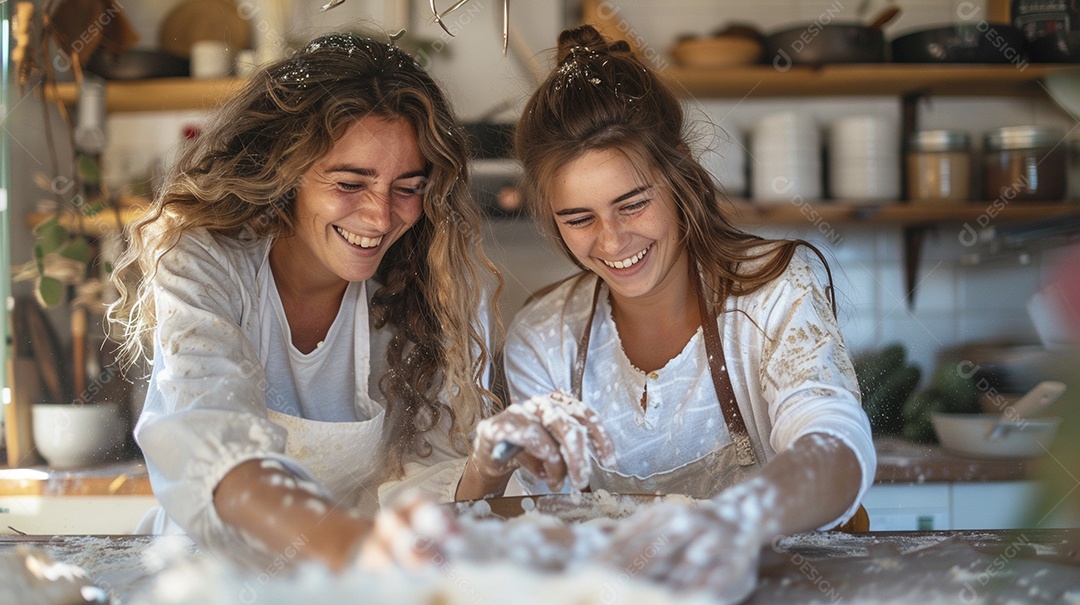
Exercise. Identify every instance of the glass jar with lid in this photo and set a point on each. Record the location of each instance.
(1025, 163)
(939, 166)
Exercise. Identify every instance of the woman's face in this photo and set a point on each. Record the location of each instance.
(618, 222)
(356, 201)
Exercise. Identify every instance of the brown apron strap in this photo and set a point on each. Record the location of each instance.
(578, 373)
(830, 292)
(714, 351)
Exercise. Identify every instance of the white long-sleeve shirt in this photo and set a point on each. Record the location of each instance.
(224, 362)
(789, 369)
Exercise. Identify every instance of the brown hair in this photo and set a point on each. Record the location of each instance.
(239, 179)
(601, 96)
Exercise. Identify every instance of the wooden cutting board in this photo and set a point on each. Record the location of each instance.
(194, 20)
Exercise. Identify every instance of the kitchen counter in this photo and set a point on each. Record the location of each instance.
(902, 461)
(124, 478)
(101, 499)
(899, 461)
(988, 567)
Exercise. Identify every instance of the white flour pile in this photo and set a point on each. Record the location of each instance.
(540, 557)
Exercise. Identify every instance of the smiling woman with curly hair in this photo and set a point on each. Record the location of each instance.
(311, 284)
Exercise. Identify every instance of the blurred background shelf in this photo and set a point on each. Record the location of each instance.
(864, 79)
(161, 94)
(746, 213)
(757, 80)
(842, 212)
(96, 225)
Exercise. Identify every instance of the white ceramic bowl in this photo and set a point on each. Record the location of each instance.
(965, 434)
(68, 435)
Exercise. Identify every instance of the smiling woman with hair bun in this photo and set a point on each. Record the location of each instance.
(688, 357)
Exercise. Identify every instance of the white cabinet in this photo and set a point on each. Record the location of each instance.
(73, 515)
(908, 507)
(961, 505)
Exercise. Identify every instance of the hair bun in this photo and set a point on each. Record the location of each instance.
(585, 38)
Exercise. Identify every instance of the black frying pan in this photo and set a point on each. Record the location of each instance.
(138, 65)
(833, 43)
(1058, 47)
(817, 43)
(962, 43)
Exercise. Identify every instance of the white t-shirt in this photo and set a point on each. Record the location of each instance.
(223, 357)
(789, 369)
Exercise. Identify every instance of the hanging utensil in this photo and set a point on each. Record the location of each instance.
(439, 18)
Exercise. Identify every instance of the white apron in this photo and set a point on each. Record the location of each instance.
(702, 478)
(339, 455)
(342, 457)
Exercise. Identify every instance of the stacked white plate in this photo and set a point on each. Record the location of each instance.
(864, 159)
(785, 150)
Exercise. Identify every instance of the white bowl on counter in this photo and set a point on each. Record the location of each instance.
(72, 435)
(966, 435)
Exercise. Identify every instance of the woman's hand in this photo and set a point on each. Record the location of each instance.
(712, 546)
(555, 434)
(410, 535)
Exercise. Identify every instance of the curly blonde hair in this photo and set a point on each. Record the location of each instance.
(600, 97)
(239, 179)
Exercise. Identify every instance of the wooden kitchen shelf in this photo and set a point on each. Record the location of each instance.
(863, 79)
(755, 80)
(103, 222)
(159, 94)
(854, 213)
(835, 213)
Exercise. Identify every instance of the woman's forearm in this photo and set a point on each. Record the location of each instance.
(274, 509)
(475, 484)
(804, 487)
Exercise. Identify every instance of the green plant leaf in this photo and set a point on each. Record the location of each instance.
(50, 292)
(77, 250)
(45, 224)
(108, 267)
(51, 235)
